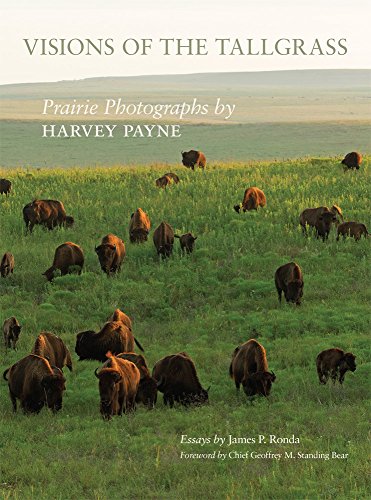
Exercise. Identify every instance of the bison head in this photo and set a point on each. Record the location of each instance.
(294, 291)
(69, 221)
(139, 235)
(108, 390)
(49, 273)
(53, 386)
(259, 383)
(83, 345)
(106, 254)
(348, 362)
(237, 208)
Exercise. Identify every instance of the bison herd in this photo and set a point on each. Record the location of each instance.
(124, 378)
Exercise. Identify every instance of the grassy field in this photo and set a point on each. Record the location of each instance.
(206, 304)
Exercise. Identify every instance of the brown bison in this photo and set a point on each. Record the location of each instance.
(173, 176)
(353, 229)
(334, 363)
(192, 159)
(118, 315)
(321, 218)
(147, 390)
(352, 161)
(252, 199)
(139, 226)
(52, 348)
(114, 336)
(5, 186)
(35, 383)
(66, 255)
(118, 385)
(163, 181)
(48, 213)
(289, 279)
(11, 329)
(163, 238)
(111, 253)
(249, 367)
(7, 264)
(177, 379)
(187, 242)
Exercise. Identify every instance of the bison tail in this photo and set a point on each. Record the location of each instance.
(230, 371)
(138, 344)
(176, 236)
(4, 374)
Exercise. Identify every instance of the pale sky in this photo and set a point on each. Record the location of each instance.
(121, 19)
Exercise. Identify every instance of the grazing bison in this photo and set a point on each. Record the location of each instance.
(147, 390)
(249, 367)
(352, 161)
(173, 176)
(163, 181)
(111, 253)
(52, 348)
(7, 264)
(187, 242)
(48, 213)
(118, 315)
(353, 229)
(118, 385)
(5, 186)
(192, 159)
(177, 379)
(334, 363)
(66, 255)
(114, 336)
(163, 238)
(289, 279)
(35, 383)
(11, 329)
(321, 218)
(139, 226)
(252, 199)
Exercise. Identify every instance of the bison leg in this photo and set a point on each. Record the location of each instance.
(322, 376)
(342, 375)
(237, 384)
(13, 399)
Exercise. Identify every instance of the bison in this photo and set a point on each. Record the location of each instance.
(192, 159)
(289, 279)
(147, 390)
(249, 367)
(48, 213)
(353, 229)
(51, 347)
(321, 218)
(114, 336)
(118, 315)
(5, 186)
(66, 255)
(252, 199)
(334, 363)
(177, 379)
(111, 253)
(163, 181)
(7, 265)
(352, 161)
(36, 383)
(11, 329)
(118, 385)
(173, 176)
(163, 239)
(187, 242)
(139, 226)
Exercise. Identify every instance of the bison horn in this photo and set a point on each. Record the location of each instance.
(160, 382)
(95, 372)
(95, 248)
(273, 375)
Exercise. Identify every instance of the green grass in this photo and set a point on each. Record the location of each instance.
(206, 304)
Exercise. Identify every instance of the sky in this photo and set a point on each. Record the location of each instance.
(210, 19)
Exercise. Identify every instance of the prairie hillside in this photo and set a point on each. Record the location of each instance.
(206, 304)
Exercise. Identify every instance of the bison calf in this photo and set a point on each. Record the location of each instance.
(35, 383)
(51, 347)
(139, 226)
(5, 186)
(249, 367)
(7, 265)
(118, 385)
(173, 176)
(289, 280)
(187, 242)
(111, 253)
(252, 199)
(163, 239)
(66, 255)
(354, 229)
(11, 329)
(163, 181)
(334, 363)
(352, 161)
